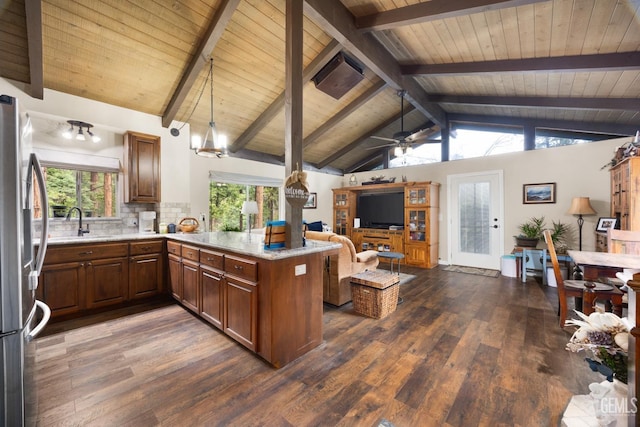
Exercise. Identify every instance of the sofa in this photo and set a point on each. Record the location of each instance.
(339, 268)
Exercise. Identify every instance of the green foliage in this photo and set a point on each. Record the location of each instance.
(560, 232)
(225, 204)
(533, 228)
(86, 189)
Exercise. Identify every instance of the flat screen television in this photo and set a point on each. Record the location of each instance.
(380, 210)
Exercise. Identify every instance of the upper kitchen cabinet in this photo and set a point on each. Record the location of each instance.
(142, 163)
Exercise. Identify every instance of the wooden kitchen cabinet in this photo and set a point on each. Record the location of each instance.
(84, 276)
(146, 269)
(212, 287)
(61, 287)
(212, 290)
(175, 276)
(107, 281)
(241, 300)
(142, 167)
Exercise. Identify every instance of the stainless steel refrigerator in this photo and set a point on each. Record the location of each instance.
(22, 317)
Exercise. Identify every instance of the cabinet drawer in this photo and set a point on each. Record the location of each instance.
(212, 259)
(89, 251)
(174, 248)
(191, 252)
(241, 267)
(141, 248)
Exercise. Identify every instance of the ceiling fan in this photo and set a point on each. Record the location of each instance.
(404, 140)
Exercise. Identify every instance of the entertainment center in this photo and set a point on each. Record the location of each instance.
(393, 217)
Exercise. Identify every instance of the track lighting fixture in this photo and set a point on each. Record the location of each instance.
(82, 128)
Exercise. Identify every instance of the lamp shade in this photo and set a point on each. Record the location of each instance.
(581, 206)
(249, 207)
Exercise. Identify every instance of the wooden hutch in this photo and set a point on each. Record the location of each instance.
(417, 240)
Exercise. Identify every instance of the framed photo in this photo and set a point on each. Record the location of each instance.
(539, 193)
(605, 223)
(312, 201)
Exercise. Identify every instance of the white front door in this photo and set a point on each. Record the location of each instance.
(476, 236)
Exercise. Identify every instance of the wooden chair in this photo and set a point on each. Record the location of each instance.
(577, 288)
(623, 242)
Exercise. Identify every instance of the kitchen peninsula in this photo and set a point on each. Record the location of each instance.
(270, 301)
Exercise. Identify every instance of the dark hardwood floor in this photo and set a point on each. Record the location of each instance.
(462, 350)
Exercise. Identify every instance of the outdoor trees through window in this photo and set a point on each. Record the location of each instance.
(225, 204)
(92, 191)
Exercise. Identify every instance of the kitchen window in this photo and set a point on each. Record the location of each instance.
(79, 179)
(228, 190)
(95, 192)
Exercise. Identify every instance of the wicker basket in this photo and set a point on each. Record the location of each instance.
(188, 225)
(375, 293)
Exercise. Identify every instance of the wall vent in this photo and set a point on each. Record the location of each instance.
(339, 76)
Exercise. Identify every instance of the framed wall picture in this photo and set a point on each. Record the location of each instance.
(312, 201)
(539, 193)
(605, 223)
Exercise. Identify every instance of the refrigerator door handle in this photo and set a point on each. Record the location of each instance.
(44, 236)
(46, 315)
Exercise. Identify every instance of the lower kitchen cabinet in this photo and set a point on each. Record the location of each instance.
(175, 276)
(106, 281)
(241, 311)
(62, 287)
(190, 281)
(146, 269)
(212, 290)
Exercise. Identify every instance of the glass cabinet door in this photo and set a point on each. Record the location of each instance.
(341, 221)
(417, 196)
(417, 225)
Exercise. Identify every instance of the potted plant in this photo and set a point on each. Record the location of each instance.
(559, 233)
(530, 232)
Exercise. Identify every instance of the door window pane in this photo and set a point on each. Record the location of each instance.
(474, 214)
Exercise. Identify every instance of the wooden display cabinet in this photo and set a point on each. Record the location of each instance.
(419, 239)
(344, 207)
(625, 193)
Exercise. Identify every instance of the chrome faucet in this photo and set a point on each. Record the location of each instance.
(81, 232)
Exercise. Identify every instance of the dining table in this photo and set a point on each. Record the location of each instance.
(596, 260)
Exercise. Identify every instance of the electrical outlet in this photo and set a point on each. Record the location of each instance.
(131, 222)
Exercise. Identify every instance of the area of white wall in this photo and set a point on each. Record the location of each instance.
(577, 170)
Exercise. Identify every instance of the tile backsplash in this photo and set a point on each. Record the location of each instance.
(129, 212)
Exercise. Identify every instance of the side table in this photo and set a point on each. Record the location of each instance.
(391, 256)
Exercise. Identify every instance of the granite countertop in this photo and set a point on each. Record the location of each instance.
(243, 243)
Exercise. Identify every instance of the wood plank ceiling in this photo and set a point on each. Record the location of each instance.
(561, 64)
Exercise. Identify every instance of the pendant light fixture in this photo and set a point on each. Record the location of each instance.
(82, 128)
(213, 144)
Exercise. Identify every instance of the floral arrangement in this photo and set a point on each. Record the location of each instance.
(607, 337)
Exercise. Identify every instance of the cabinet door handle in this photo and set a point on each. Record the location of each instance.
(209, 258)
(237, 267)
(146, 248)
(85, 253)
(88, 264)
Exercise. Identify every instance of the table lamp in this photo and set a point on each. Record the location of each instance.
(580, 206)
(249, 207)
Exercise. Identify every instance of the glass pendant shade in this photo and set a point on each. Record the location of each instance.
(213, 144)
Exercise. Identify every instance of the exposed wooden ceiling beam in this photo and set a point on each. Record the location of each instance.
(570, 125)
(344, 113)
(575, 63)
(335, 19)
(432, 10)
(200, 58)
(356, 143)
(627, 104)
(278, 104)
(33, 13)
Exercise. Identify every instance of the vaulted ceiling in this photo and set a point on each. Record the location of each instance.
(560, 64)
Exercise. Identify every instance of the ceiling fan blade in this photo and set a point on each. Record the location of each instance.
(423, 133)
(383, 138)
(381, 146)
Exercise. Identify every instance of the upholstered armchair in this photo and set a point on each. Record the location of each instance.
(339, 268)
